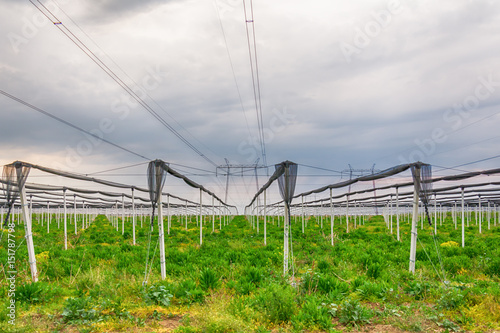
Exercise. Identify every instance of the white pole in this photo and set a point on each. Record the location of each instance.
(480, 215)
(390, 213)
(414, 221)
(201, 217)
(265, 218)
(285, 241)
(74, 212)
(169, 217)
(27, 228)
(495, 210)
(489, 215)
(133, 217)
(65, 222)
(257, 214)
(213, 215)
(48, 215)
(83, 215)
(331, 216)
(455, 215)
(116, 214)
(435, 213)
(303, 214)
(123, 214)
(186, 215)
(31, 208)
(161, 235)
(463, 218)
(347, 213)
(397, 213)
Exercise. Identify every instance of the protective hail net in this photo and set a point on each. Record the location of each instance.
(156, 180)
(286, 184)
(422, 178)
(13, 178)
(287, 180)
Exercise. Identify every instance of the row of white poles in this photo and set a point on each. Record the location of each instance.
(360, 213)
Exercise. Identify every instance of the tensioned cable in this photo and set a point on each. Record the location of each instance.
(469, 145)
(473, 162)
(117, 79)
(67, 123)
(114, 169)
(319, 168)
(445, 168)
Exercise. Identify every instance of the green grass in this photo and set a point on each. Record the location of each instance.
(97, 284)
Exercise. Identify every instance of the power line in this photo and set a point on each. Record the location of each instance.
(474, 162)
(67, 123)
(67, 32)
(255, 79)
(232, 67)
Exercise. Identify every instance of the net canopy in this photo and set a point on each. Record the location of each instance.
(13, 179)
(422, 179)
(79, 196)
(287, 180)
(156, 180)
(447, 190)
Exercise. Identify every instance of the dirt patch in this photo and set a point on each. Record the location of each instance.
(170, 324)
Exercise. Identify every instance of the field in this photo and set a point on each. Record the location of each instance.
(233, 283)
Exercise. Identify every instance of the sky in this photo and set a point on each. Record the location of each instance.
(358, 83)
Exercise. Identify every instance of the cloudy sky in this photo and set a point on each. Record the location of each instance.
(359, 83)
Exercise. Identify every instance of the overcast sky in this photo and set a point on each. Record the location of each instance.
(360, 83)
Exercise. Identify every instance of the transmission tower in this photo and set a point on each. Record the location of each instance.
(225, 170)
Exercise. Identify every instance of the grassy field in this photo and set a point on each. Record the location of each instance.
(233, 283)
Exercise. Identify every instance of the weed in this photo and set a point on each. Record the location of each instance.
(33, 292)
(418, 290)
(80, 310)
(374, 270)
(353, 313)
(159, 295)
(313, 314)
(452, 299)
(277, 302)
(209, 279)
